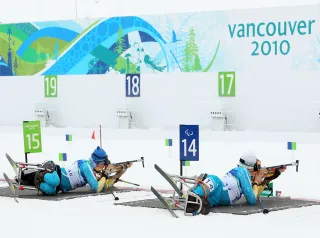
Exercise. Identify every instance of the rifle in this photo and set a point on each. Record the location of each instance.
(108, 171)
(130, 161)
(270, 170)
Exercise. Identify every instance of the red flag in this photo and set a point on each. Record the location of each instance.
(93, 135)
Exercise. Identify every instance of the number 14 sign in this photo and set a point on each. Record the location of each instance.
(189, 142)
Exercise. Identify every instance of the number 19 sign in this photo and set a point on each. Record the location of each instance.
(51, 86)
(189, 142)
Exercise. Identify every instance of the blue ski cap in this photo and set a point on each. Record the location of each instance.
(99, 155)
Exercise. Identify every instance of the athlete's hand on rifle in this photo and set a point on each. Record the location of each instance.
(99, 172)
(128, 165)
(276, 174)
(258, 178)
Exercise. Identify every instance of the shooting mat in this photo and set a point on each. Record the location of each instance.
(85, 191)
(240, 208)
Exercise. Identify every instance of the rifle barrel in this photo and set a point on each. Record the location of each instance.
(131, 161)
(281, 165)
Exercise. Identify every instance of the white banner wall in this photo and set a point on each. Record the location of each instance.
(262, 66)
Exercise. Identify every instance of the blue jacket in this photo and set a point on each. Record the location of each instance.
(244, 178)
(228, 189)
(79, 174)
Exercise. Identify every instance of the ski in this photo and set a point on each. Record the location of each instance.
(164, 202)
(17, 166)
(13, 164)
(168, 178)
(11, 187)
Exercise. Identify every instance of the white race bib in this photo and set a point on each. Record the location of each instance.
(234, 190)
(209, 183)
(74, 176)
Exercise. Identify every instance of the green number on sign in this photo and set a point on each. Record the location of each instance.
(51, 86)
(227, 84)
(32, 137)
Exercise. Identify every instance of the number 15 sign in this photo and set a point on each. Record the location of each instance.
(32, 137)
(189, 142)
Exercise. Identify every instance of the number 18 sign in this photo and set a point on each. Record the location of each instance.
(132, 85)
(189, 142)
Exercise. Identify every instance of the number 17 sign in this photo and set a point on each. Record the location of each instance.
(189, 142)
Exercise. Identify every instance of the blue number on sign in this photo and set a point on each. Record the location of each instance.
(133, 85)
(189, 142)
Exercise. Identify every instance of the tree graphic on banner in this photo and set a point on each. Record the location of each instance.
(9, 48)
(15, 64)
(120, 46)
(191, 61)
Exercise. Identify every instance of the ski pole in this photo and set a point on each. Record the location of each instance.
(124, 181)
(265, 211)
(115, 198)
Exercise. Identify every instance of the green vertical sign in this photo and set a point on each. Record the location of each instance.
(32, 137)
(227, 84)
(51, 86)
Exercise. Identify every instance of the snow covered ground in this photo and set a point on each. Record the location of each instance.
(219, 152)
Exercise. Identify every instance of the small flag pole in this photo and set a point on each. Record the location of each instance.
(68, 149)
(62, 159)
(100, 138)
(168, 143)
(292, 146)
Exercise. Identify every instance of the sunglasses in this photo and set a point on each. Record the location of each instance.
(256, 166)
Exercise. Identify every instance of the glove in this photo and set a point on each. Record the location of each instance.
(205, 210)
(109, 183)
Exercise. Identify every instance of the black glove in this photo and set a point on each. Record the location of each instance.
(205, 210)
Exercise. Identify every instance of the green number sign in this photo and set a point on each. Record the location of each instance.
(32, 137)
(227, 84)
(51, 86)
